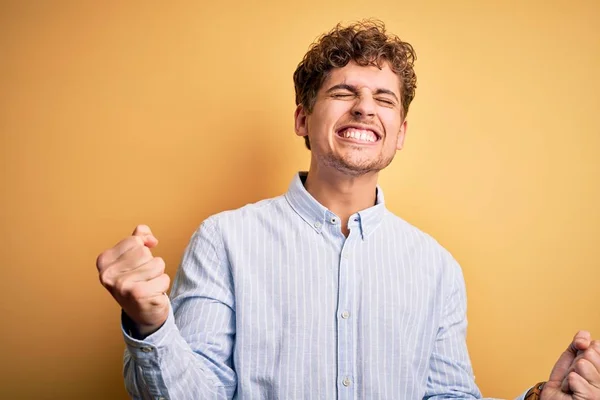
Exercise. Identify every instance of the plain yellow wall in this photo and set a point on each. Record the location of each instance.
(116, 114)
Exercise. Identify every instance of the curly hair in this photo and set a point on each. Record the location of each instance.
(366, 43)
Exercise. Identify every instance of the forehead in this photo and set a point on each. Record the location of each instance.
(370, 77)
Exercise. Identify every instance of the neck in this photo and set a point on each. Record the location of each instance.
(342, 194)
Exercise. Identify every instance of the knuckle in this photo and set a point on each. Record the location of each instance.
(160, 263)
(572, 377)
(137, 291)
(155, 270)
(105, 279)
(123, 287)
(581, 364)
(588, 353)
(101, 261)
(167, 279)
(595, 345)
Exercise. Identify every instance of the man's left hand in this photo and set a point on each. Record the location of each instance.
(576, 374)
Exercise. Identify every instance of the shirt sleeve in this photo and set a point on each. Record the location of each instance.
(522, 396)
(190, 356)
(450, 371)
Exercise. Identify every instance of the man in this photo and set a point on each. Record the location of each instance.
(321, 293)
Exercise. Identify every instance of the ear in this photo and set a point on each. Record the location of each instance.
(300, 121)
(401, 135)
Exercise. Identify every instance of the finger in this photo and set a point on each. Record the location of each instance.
(587, 371)
(581, 341)
(564, 384)
(565, 363)
(587, 365)
(144, 231)
(116, 273)
(579, 386)
(133, 258)
(140, 291)
(592, 355)
(595, 347)
(111, 255)
(158, 286)
(148, 271)
(152, 292)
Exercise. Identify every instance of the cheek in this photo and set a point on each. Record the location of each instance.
(324, 120)
(392, 123)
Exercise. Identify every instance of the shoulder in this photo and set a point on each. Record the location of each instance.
(250, 214)
(421, 245)
(410, 234)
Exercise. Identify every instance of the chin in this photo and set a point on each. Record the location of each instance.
(356, 169)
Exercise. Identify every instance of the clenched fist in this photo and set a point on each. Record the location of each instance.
(137, 280)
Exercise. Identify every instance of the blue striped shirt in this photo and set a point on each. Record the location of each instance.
(272, 301)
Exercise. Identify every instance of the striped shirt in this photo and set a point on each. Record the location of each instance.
(272, 301)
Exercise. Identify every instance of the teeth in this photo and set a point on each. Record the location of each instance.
(366, 136)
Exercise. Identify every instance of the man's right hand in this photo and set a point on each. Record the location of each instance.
(137, 280)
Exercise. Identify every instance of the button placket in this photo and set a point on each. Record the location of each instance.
(346, 326)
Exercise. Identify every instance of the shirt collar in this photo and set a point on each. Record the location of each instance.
(317, 215)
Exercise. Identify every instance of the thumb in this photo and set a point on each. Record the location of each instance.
(581, 341)
(146, 234)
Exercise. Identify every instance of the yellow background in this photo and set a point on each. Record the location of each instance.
(116, 114)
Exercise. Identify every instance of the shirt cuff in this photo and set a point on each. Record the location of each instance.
(145, 351)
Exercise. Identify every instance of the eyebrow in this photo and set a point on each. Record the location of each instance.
(353, 89)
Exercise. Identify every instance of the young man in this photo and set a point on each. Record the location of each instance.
(321, 293)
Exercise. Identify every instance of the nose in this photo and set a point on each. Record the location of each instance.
(363, 107)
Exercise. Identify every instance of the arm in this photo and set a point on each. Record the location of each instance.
(576, 374)
(163, 366)
(450, 372)
(185, 351)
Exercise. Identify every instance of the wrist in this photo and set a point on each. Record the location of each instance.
(135, 330)
(535, 392)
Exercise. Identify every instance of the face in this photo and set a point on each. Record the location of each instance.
(356, 125)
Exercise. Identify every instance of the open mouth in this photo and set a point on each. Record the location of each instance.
(360, 135)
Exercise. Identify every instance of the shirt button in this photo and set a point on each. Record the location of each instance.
(346, 256)
(345, 315)
(146, 349)
(346, 382)
(317, 225)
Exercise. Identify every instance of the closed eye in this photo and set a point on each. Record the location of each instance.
(386, 101)
(342, 95)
